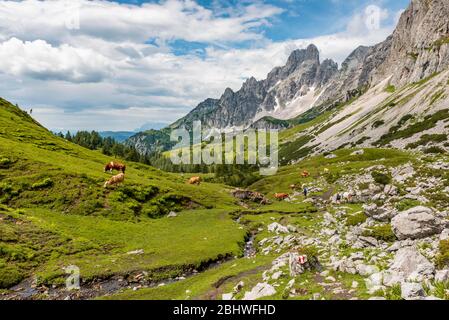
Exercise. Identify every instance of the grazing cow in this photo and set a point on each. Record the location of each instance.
(195, 180)
(115, 166)
(293, 187)
(281, 196)
(115, 180)
(305, 174)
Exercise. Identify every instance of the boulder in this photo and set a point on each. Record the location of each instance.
(444, 235)
(277, 228)
(330, 156)
(390, 190)
(366, 270)
(358, 153)
(172, 214)
(411, 265)
(411, 291)
(259, 291)
(416, 223)
(376, 212)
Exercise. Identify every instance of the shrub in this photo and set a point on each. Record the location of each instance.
(46, 183)
(378, 123)
(356, 219)
(434, 150)
(382, 232)
(381, 178)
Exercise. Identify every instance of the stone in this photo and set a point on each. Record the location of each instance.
(416, 223)
(227, 296)
(377, 213)
(172, 214)
(444, 235)
(409, 264)
(411, 291)
(135, 252)
(366, 270)
(331, 156)
(442, 275)
(390, 190)
(259, 291)
(358, 153)
(277, 228)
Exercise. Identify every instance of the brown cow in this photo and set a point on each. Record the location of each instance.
(195, 180)
(115, 180)
(281, 196)
(305, 174)
(115, 166)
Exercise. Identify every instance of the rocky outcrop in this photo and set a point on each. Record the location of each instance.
(416, 223)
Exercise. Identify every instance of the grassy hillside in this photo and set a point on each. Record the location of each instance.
(55, 212)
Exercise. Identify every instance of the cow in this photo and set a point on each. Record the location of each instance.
(305, 174)
(195, 180)
(281, 196)
(115, 180)
(293, 187)
(115, 166)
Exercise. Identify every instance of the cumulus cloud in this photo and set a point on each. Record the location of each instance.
(119, 70)
(38, 59)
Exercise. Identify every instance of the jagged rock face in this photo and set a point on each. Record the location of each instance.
(301, 73)
(417, 45)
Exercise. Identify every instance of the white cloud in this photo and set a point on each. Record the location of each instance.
(107, 76)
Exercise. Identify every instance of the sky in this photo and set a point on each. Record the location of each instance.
(120, 65)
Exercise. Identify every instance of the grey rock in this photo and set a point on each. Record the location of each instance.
(259, 291)
(442, 275)
(411, 291)
(409, 264)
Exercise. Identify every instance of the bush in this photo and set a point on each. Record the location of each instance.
(383, 232)
(381, 178)
(434, 150)
(378, 123)
(46, 183)
(356, 219)
(442, 259)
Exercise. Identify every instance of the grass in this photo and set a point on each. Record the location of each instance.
(442, 259)
(71, 219)
(426, 139)
(381, 232)
(390, 89)
(356, 219)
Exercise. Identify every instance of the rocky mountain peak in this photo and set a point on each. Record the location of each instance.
(299, 56)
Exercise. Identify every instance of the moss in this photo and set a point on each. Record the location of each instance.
(9, 276)
(382, 232)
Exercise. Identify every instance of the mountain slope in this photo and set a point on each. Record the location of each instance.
(417, 50)
(54, 212)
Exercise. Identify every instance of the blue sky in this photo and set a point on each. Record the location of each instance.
(118, 65)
